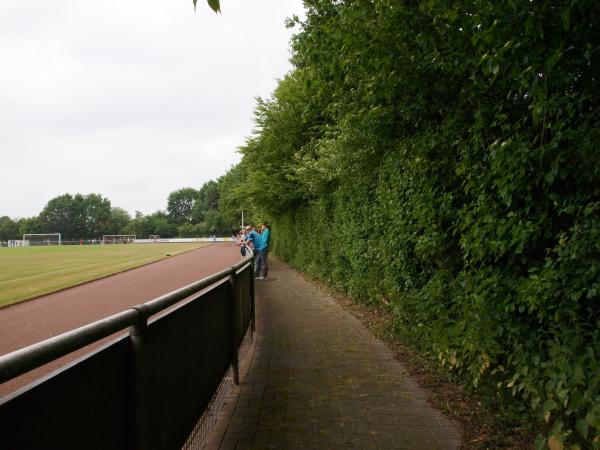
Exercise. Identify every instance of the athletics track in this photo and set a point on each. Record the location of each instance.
(32, 321)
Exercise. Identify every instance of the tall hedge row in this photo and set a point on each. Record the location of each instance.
(442, 159)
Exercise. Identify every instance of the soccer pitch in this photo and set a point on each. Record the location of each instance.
(27, 272)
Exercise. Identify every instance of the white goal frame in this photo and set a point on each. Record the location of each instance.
(118, 239)
(26, 241)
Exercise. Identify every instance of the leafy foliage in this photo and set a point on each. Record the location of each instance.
(119, 219)
(215, 5)
(180, 204)
(442, 158)
(9, 229)
(76, 216)
(157, 223)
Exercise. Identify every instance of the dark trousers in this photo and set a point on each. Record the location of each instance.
(261, 266)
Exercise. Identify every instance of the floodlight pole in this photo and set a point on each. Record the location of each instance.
(242, 219)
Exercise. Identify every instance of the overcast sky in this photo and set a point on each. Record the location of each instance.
(131, 99)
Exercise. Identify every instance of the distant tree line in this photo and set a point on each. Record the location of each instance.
(189, 213)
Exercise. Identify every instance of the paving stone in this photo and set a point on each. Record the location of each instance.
(315, 378)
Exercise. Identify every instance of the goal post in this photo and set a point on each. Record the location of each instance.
(42, 239)
(154, 237)
(118, 239)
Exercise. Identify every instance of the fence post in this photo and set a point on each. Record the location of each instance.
(252, 301)
(234, 313)
(141, 388)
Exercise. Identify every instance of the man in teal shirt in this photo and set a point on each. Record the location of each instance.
(265, 233)
(261, 243)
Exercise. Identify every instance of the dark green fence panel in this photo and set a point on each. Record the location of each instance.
(243, 306)
(188, 353)
(84, 406)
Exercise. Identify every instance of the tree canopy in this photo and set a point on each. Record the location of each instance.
(76, 217)
(180, 204)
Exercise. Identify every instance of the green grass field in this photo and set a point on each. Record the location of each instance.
(27, 272)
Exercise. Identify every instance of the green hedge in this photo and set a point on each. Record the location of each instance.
(445, 161)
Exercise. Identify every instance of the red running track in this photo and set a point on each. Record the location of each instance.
(32, 321)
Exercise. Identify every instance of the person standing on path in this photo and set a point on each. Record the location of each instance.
(256, 240)
(265, 232)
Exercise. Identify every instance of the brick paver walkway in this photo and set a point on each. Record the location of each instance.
(316, 378)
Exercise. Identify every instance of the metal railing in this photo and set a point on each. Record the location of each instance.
(144, 390)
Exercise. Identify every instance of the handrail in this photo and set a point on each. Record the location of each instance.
(29, 358)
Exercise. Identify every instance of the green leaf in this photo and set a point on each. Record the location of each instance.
(583, 427)
(549, 405)
(215, 5)
(593, 416)
(576, 400)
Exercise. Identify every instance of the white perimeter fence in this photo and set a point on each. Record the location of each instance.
(19, 242)
(183, 240)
